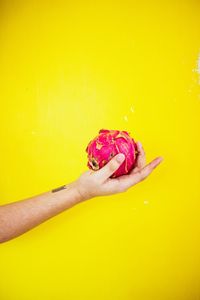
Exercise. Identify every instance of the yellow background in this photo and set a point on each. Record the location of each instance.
(68, 69)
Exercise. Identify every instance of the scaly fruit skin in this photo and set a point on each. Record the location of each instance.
(106, 145)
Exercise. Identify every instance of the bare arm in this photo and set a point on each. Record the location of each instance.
(19, 217)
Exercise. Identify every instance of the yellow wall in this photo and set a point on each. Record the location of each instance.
(68, 69)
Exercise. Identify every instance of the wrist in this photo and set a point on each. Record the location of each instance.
(75, 193)
(68, 194)
(81, 192)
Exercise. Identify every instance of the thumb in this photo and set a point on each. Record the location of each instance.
(112, 166)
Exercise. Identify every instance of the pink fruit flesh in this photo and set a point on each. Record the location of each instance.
(106, 145)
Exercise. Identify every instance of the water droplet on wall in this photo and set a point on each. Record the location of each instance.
(198, 64)
(126, 118)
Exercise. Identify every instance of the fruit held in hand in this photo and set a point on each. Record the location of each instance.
(106, 145)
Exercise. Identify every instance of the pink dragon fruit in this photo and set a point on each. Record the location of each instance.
(106, 145)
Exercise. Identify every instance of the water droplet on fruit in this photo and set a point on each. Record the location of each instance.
(134, 209)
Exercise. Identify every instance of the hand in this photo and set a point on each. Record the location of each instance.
(98, 183)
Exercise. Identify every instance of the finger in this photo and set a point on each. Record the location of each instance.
(141, 159)
(132, 179)
(146, 171)
(112, 166)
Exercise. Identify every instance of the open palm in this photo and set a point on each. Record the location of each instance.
(98, 183)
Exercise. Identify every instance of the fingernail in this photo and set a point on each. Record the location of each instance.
(120, 157)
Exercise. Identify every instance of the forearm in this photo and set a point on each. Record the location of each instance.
(19, 217)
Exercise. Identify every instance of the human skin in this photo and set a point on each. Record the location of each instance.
(18, 217)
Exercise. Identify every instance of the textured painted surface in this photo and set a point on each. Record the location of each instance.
(68, 69)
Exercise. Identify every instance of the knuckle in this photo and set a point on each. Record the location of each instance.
(142, 178)
(113, 166)
(96, 181)
(142, 175)
(121, 189)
